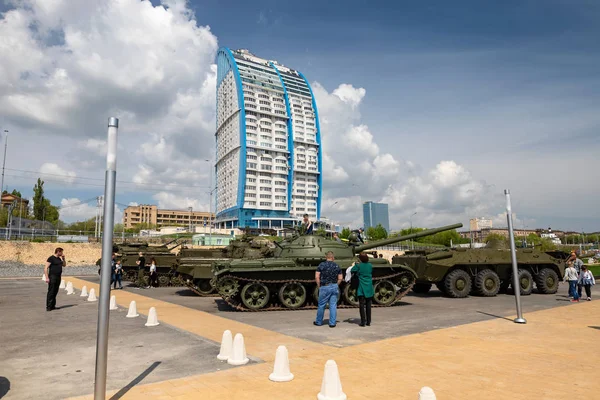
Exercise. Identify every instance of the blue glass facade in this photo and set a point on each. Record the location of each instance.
(375, 214)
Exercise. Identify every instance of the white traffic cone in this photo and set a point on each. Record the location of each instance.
(84, 292)
(238, 352)
(113, 303)
(62, 284)
(132, 313)
(70, 288)
(92, 296)
(331, 387)
(226, 346)
(281, 369)
(152, 317)
(43, 277)
(67, 286)
(426, 393)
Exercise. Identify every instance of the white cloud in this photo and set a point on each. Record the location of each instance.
(172, 201)
(56, 173)
(72, 210)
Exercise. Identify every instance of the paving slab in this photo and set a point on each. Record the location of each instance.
(415, 313)
(51, 355)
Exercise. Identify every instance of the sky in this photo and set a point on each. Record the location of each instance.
(433, 107)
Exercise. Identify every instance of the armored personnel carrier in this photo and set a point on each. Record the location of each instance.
(484, 271)
(286, 280)
(195, 265)
(166, 261)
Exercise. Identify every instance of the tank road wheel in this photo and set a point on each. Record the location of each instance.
(163, 280)
(421, 287)
(385, 292)
(526, 282)
(487, 283)
(203, 286)
(547, 281)
(227, 286)
(292, 295)
(146, 280)
(349, 295)
(255, 295)
(176, 281)
(457, 284)
(315, 295)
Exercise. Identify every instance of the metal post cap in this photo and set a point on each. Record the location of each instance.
(506, 191)
(113, 121)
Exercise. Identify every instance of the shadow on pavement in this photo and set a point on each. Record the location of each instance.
(494, 315)
(594, 327)
(4, 386)
(134, 382)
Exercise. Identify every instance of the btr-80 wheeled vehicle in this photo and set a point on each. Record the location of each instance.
(287, 280)
(459, 272)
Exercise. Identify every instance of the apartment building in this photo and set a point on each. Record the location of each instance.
(152, 215)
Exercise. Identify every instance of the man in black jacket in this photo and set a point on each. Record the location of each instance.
(53, 272)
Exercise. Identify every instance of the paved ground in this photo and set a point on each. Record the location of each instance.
(414, 314)
(51, 355)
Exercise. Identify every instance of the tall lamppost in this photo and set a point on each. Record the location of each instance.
(4, 160)
(412, 241)
(190, 209)
(210, 193)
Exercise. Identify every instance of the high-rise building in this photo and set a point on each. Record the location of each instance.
(375, 214)
(476, 224)
(268, 161)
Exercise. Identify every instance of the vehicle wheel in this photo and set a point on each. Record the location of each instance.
(292, 295)
(203, 286)
(315, 295)
(487, 283)
(349, 296)
(457, 284)
(547, 281)
(385, 292)
(163, 280)
(176, 281)
(526, 282)
(146, 280)
(228, 287)
(421, 287)
(255, 295)
(441, 287)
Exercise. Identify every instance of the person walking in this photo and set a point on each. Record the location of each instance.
(118, 275)
(113, 267)
(53, 272)
(572, 277)
(365, 293)
(586, 279)
(328, 277)
(153, 274)
(141, 263)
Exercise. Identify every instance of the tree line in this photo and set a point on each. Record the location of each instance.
(41, 209)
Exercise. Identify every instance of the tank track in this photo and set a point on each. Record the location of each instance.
(194, 289)
(133, 279)
(237, 304)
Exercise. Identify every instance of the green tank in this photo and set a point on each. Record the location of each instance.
(166, 261)
(484, 271)
(287, 279)
(195, 265)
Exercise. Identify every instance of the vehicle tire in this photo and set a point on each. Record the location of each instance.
(292, 295)
(349, 295)
(525, 281)
(255, 295)
(547, 281)
(457, 284)
(487, 283)
(441, 287)
(163, 280)
(421, 287)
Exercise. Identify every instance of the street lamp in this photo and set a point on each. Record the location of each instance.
(190, 208)
(210, 193)
(4, 160)
(412, 241)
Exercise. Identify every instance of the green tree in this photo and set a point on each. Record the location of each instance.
(51, 212)
(496, 236)
(345, 234)
(321, 231)
(38, 200)
(376, 232)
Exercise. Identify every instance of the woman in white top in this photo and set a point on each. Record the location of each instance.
(153, 273)
(586, 279)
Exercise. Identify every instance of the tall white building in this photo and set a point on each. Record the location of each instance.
(268, 162)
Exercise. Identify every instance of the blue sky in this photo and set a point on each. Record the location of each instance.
(509, 90)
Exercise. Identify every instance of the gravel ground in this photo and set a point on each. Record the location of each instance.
(15, 269)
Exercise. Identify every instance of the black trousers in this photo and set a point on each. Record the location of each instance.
(53, 284)
(364, 305)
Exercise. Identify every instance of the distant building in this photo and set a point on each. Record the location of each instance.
(476, 224)
(551, 235)
(481, 234)
(8, 199)
(152, 215)
(212, 240)
(375, 214)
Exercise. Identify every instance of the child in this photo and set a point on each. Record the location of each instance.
(586, 279)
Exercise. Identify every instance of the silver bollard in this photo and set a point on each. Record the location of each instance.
(513, 256)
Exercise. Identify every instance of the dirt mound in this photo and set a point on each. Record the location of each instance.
(77, 254)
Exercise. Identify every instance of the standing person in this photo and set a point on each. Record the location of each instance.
(307, 224)
(113, 267)
(578, 265)
(572, 277)
(141, 263)
(586, 279)
(365, 293)
(328, 277)
(336, 237)
(53, 272)
(119, 274)
(153, 274)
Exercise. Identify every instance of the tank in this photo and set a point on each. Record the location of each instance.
(166, 261)
(286, 281)
(195, 265)
(485, 271)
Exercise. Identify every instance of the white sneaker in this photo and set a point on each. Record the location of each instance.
(589, 299)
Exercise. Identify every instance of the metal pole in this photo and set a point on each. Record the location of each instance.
(513, 254)
(210, 206)
(107, 246)
(20, 216)
(4, 160)
(190, 208)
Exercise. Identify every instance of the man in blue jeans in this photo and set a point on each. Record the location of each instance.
(328, 278)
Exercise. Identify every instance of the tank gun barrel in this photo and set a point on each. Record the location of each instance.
(397, 239)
